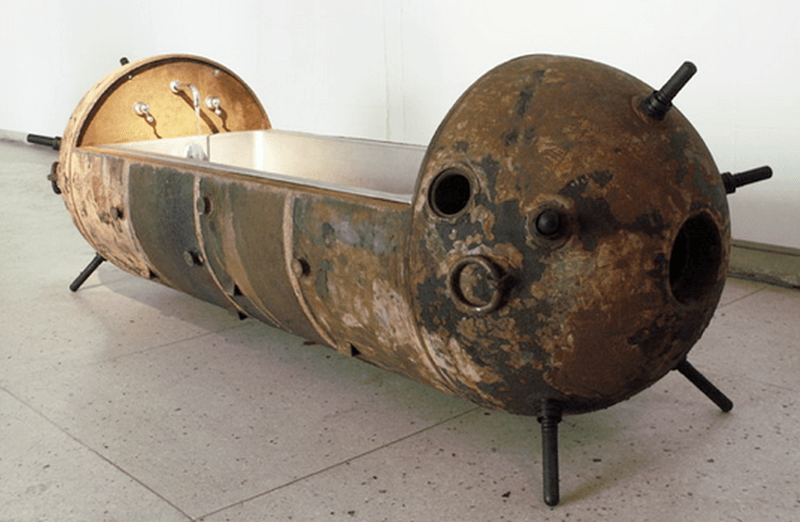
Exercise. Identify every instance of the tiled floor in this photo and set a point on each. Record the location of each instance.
(129, 401)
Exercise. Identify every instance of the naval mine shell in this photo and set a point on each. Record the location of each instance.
(563, 245)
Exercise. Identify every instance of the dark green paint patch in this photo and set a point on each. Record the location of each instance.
(527, 93)
(602, 177)
(595, 219)
(489, 166)
(510, 138)
(678, 146)
(328, 234)
(651, 223)
(163, 207)
(321, 283)
(523, 99)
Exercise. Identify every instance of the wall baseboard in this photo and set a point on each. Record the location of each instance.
(764, 263)
(7, 135)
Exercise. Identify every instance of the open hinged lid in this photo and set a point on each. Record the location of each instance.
(164, 97)
(156, 98)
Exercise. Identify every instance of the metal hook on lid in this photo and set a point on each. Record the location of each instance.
(142, 109)
(213, 103)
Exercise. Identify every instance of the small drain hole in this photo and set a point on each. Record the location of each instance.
(695, 259)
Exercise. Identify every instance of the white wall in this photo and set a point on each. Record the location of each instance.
(390, 69)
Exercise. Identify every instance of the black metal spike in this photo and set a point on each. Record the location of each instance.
(89, 270)
(658, 104)
(734, 181)
(705, 386)
(54, 143)
(549, 417)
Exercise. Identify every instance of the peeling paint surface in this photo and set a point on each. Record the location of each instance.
(355, 285)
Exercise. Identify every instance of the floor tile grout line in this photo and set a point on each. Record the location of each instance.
(723, 374)
(90, 364)
(165, 345)
(715, 372)
(149, 349)
(104, 284)
(338, 464)
(96, 453)
(754, 292)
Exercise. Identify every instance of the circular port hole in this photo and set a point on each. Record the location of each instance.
(695, 259)
(450, 193)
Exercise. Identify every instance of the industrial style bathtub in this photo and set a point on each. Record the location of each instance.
(559, 246)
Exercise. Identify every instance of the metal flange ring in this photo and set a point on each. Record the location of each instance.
(476, 285)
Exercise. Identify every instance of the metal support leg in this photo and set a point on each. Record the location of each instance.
(89, 270)
(53, 143)
(705, 386)
(549, 418)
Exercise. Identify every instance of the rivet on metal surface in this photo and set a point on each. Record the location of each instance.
(476, 285)
(658, 104)
(548, 223)
(300, 267)
(53, 178)
(205, 205)
(192, 258)
(551, 222)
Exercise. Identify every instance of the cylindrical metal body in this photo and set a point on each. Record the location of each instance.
(557, 244)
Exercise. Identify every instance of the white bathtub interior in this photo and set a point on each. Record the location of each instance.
(347, 164)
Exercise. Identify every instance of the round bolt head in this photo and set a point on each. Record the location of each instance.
(548, 223)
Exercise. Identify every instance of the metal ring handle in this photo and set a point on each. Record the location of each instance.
(457, 292)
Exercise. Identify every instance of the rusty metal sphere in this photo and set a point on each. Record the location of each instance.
(609, 230)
